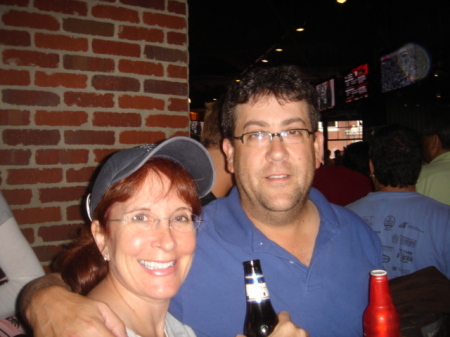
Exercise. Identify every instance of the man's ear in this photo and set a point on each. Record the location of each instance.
(371, 169)
(99, 236)
(318, 148)
(228, 149)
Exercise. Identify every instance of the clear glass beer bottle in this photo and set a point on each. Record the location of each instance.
(260, 319)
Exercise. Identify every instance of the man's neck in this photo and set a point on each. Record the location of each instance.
(296, 235)
(409, 188)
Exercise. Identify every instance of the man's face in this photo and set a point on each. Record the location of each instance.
(276, 177)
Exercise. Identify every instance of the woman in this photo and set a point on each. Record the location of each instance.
(139, 247)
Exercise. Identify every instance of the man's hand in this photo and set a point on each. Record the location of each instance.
(285, 328)
(53, 311)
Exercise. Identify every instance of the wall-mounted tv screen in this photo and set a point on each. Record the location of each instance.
(403, 67)
(357, 83)
(326, 95)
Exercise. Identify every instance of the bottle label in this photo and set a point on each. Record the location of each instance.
(256, 288)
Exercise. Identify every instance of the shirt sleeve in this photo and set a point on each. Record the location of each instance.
(18, 262)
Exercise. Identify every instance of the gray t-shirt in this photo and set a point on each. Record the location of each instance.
(173, 328)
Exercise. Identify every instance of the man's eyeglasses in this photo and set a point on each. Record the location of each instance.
(264, 138)
(179, 223)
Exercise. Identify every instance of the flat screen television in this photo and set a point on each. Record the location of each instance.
(326, 95)
(357, 83)
(403, 67)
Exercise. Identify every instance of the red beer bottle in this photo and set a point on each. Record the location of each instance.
(380, 318)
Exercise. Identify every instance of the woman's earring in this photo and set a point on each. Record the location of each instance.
(105, 257)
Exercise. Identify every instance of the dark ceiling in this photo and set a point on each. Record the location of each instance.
(228, 37)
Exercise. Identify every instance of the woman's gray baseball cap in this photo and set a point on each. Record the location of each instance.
(187, 152)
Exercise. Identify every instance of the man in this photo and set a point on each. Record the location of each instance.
(316, 257)
(414, 229)
(212, 140)
(434, 179)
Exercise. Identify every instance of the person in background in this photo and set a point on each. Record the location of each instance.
(316, 256)
(343, 184)
(18, 266)
(434, 179)
(212, 141)
(414, 229)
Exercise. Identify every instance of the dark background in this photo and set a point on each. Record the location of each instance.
(226, 38)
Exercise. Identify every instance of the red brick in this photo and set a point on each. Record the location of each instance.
(101, 154)
(177, 7)
(140, 102)
(28, 58)
(177, 38)
(61, 118)
(166, 87)
(116, 48)
(17, 196)
(115, 13)
(14, 77)
(14, 117)
(31, 137)
(74, 7)
(89, 137)
(167, 121)
(81, 175)
(85, 63)
(89, 27)
(154, 4)
(141, 137)
(141, 34)
(28, 233)
(61, 42)
(74, 213)
(177, 71)
(58, 233)
(47, 253)
(15, 38)
(34, 176)
(61, 156)
(30, 97)
(165, 54)
(177, 104)
(30, 20)
(117, 119)
(115, 83)
(17, 3)
(61, 194)
(15, 157)
(86, 99)
(29, 216)
(66, 80)
(141, 68)
(164, 20)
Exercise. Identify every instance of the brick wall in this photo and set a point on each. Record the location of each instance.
(80, 79)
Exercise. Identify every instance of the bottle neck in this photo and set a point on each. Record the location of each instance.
(379, 291)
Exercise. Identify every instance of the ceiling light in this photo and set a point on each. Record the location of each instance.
(264, 61)
(300, 29)
(341, 1)
(279, 49)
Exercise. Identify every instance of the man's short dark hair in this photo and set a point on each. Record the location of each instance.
(439, 124)
(396, 153)
(287, 83)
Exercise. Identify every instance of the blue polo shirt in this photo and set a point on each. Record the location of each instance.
(326, 299)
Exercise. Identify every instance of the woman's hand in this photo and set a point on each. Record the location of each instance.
(285, 327)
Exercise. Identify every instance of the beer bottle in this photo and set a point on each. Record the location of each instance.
(260, 319)
(380, 318)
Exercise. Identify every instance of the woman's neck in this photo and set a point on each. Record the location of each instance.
(144, 316)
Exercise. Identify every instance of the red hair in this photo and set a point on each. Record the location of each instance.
(82, 265)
